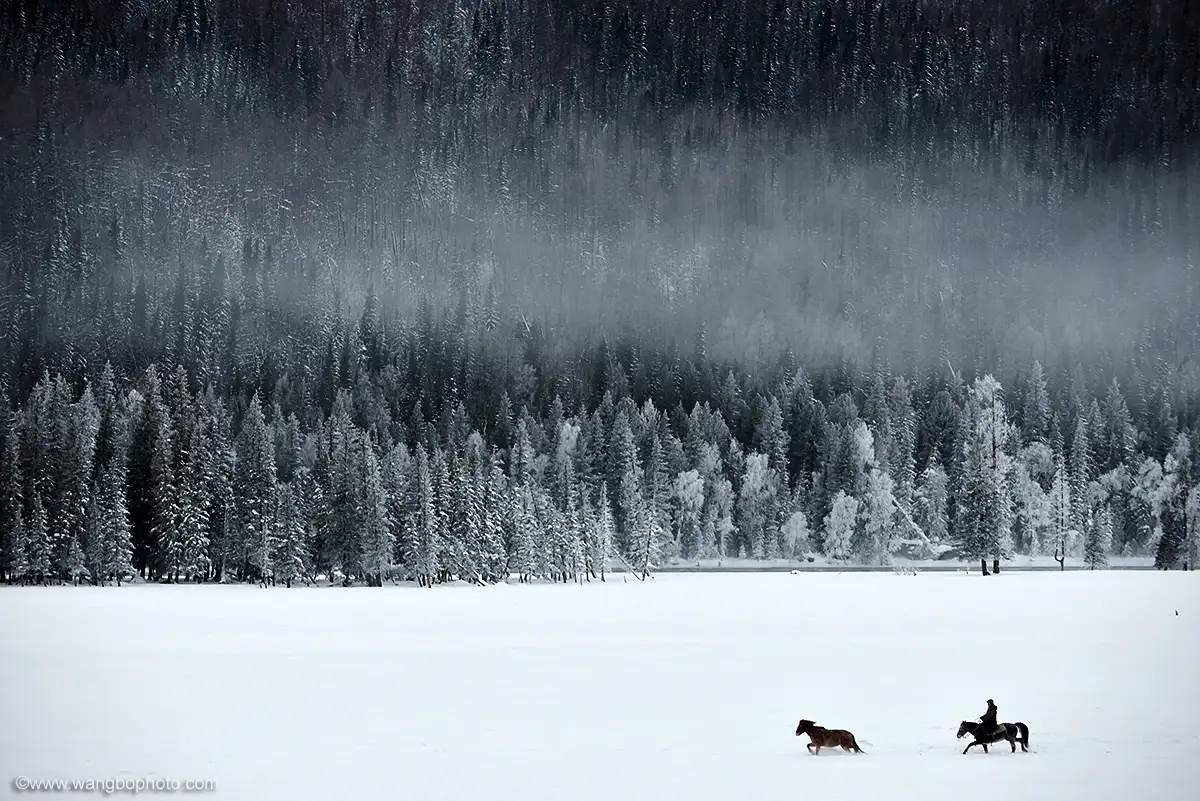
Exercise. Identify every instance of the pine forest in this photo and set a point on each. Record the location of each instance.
(535, 290)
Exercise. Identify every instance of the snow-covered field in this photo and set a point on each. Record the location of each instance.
(686, 687)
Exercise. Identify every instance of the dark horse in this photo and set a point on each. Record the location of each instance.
(1013, 732)
(827, 738)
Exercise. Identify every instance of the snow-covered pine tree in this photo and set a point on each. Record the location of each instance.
(879, 520)
(574, 521)
(47, 429)
(93, 547)
(195, 479)
(221, 513)
(624, 476)
(76, 565)
(725, 533)
(1081, 476)
(82, 462)
(839, 526)
(473, 484)
(566, 442)
(14, 561)
(548, 542)
(933, 501)
(1172, 539)
(771, 438)
(1171, 504)
(38, 543)
(521, 460)
(115, 527)
(1032, 508)
(707, 534)
(657, 487)
(165, 521)
(1192, 544)
(648, 540)
(755, 508)
(494, 557)
(254, 491)
(553, 551)
(452, 545)
(878, 420)
(427, 559)
(1063, 535)
(984, 524)
(378, 541)
(1026, 492)
(862, 456)
(901, 458)
(183, 411)
(462, 525)
(1116, 484)
(529, 537)
(976, 506)
(689, 502)
(1098, 541)
(1120, 436)
(291, 556)
(1179, 463)
(600, 541)
(1035, 418)
(339, 530)
(1145, 505)
(399, 485)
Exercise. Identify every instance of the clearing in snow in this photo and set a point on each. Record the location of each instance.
(684, 687)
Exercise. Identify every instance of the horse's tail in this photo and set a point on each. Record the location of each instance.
(1021, 727)
(854, 742)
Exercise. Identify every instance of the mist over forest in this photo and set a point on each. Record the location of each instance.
(446, 230)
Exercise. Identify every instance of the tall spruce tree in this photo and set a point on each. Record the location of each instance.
(378, 536)
(254, 493)
(1098, 542)
(15, 552)
(38, 556)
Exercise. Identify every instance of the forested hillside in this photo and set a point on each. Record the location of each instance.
(438, 289)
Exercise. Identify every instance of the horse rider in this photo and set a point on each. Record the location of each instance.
(989, 724)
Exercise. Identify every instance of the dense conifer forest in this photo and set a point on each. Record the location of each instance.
(458, 290)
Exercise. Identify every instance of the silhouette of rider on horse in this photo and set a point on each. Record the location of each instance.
(989, 725)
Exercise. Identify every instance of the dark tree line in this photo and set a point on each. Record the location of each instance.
(893, 182)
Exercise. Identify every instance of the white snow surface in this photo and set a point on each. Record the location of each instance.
(683, 687)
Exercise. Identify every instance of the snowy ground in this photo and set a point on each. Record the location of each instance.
(687, 687)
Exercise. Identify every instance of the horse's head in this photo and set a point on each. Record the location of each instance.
(803, 726)
(965, 728)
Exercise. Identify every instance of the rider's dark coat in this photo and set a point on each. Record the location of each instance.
(989, 719)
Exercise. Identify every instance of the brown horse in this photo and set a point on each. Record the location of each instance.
(827, 738)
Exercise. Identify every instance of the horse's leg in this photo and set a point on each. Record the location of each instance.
(972, 745)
